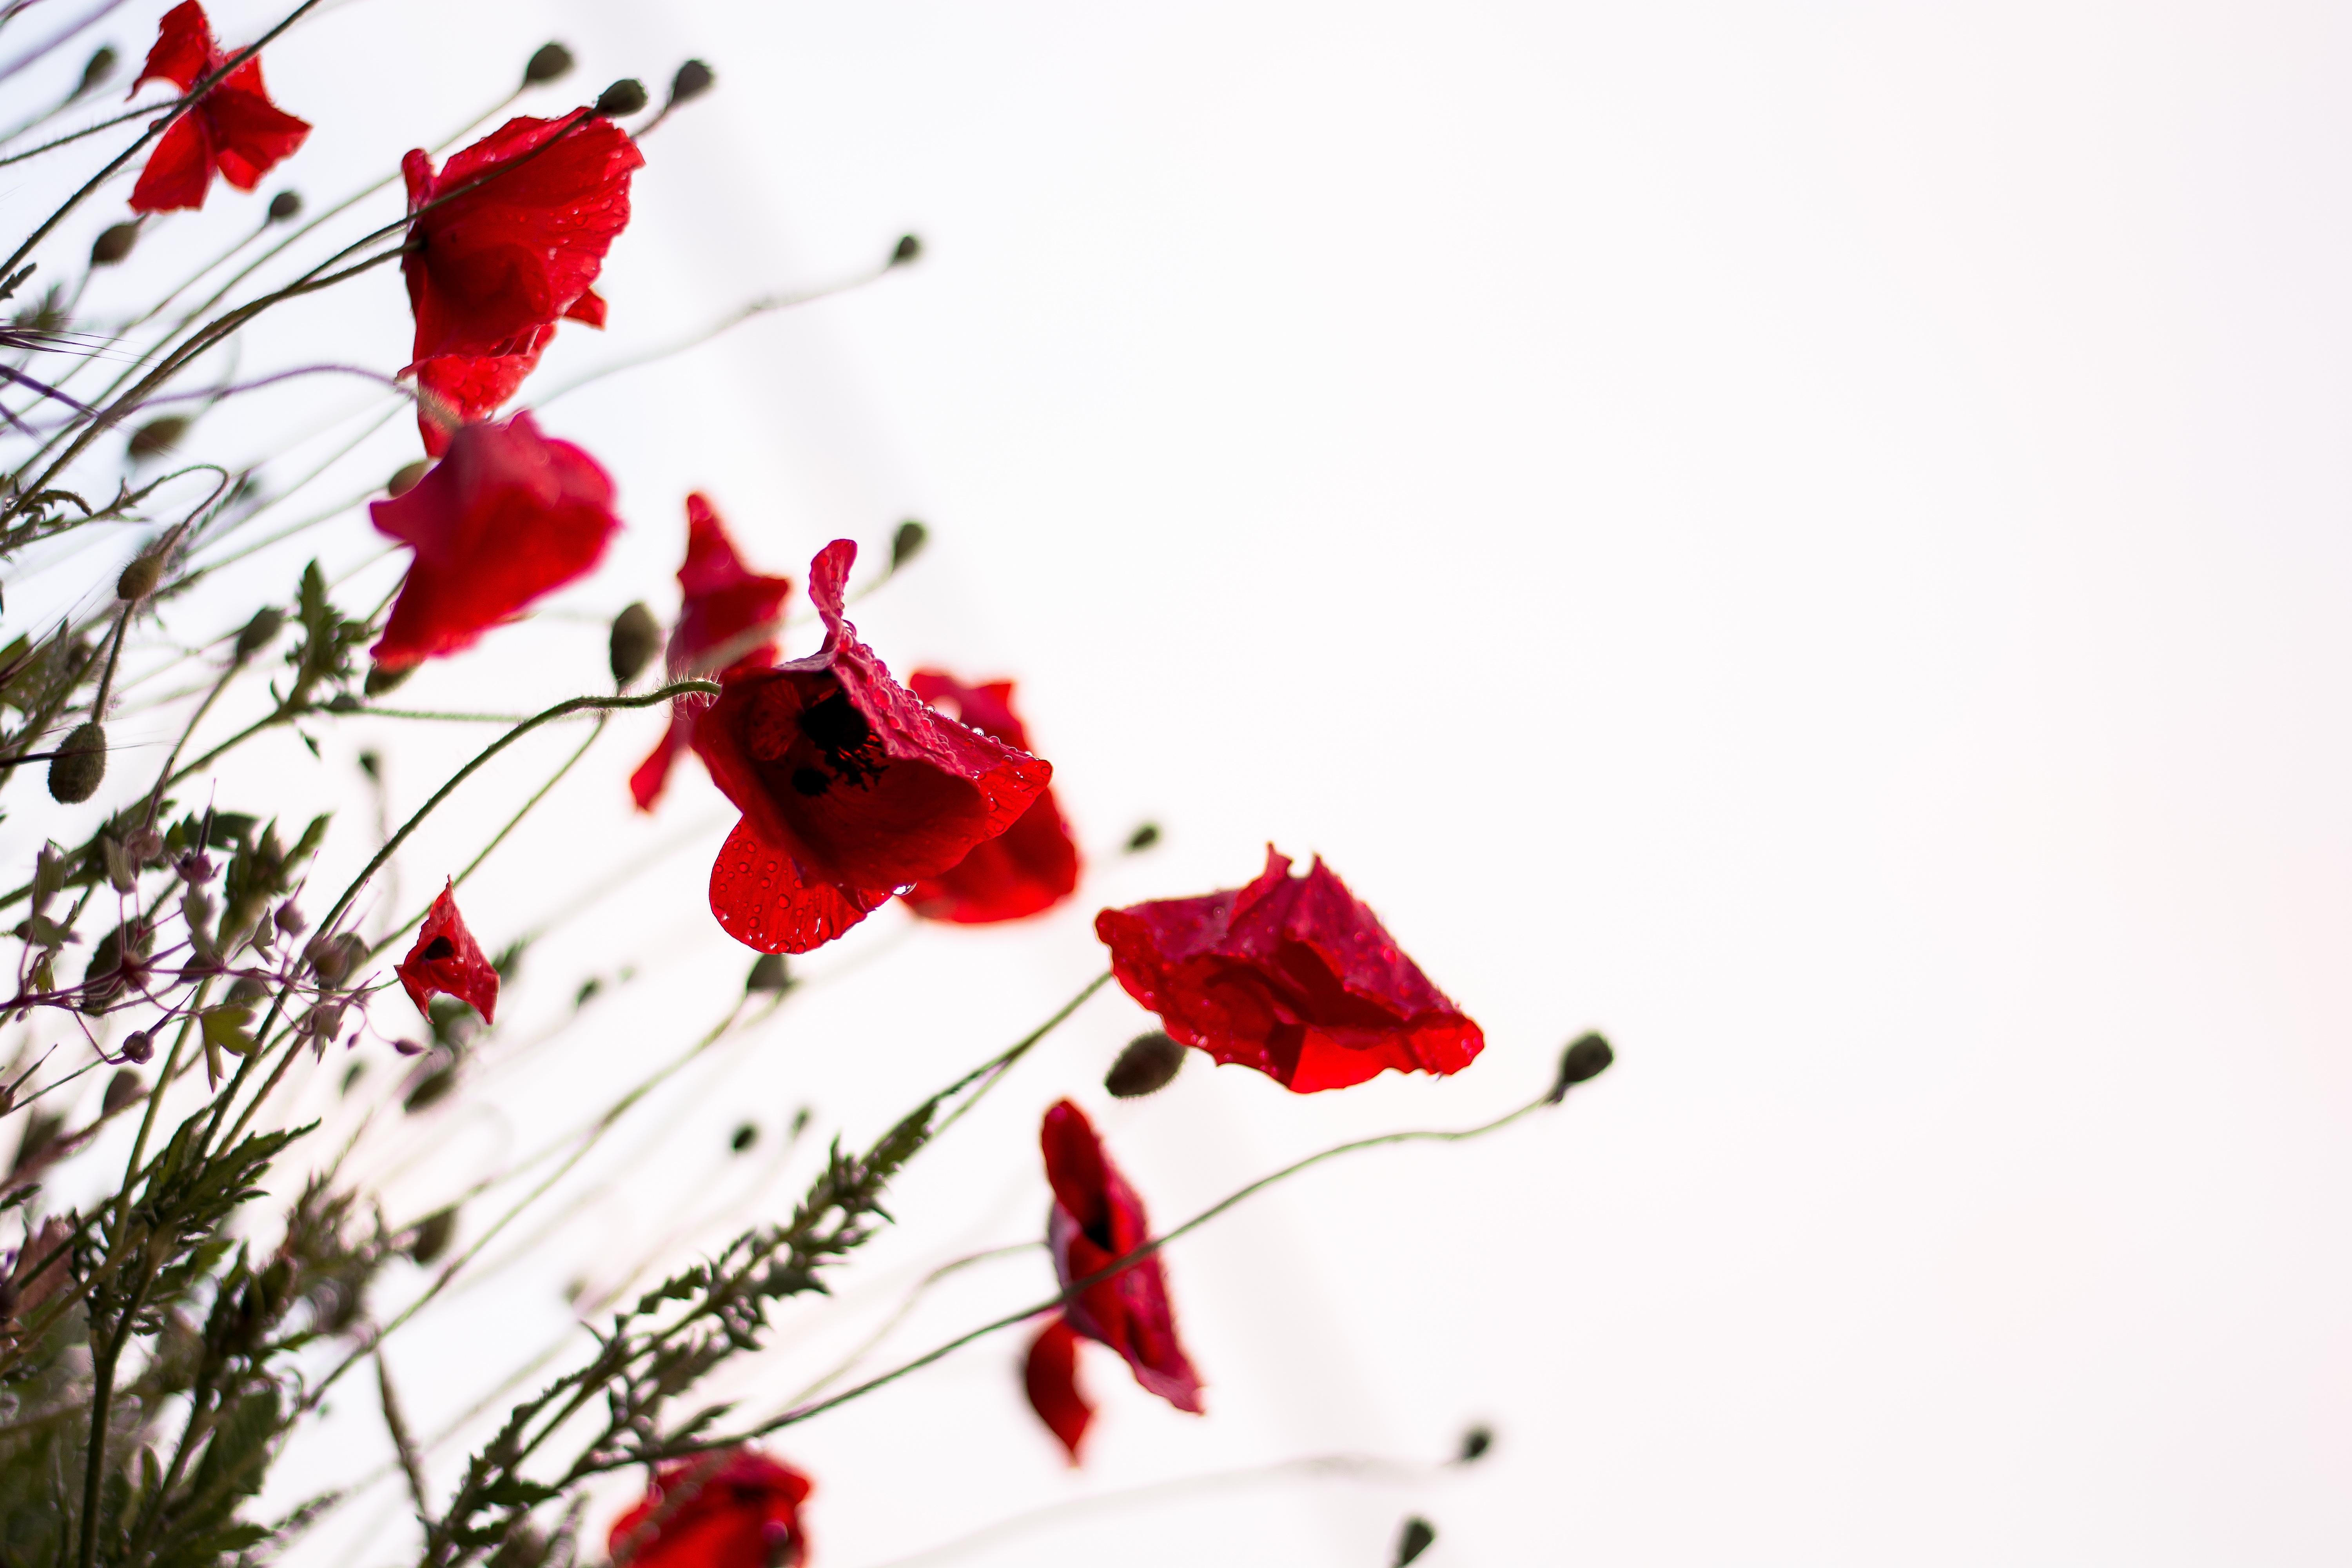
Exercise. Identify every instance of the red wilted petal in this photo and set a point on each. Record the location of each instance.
(252, 135)
(1096, 1217)
(739, 1509)
(724, 600)
(183, 51)
(1291, 975)
(1050, 1374)
(447, 961)
(233, 130)
(507, 516)
(467, 388)
(1034, 864)
(646, 786)
(179, 171)
(588, 311)
(846, 781)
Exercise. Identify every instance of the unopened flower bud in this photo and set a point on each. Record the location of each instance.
(1149, 1064)
(625, 97)
(744, 1137)
(547, 63)
(325, 1021)
(908, 543)
(408, 1047)
(1143, 837)
(122, 1091)
(157, 436)
(1475, 1444)
(138, 1047)
(769, 974)
(138, 578)
(907, 251)
(289, 919)
(100, 67)
(196, 868)
(259, 632)
(1417, 1537)
(285, 207)
(693, 79)
(146, 847)
(433, 1233)
(114, 244)
(636, 635)
(1586, 1057)
(404, 477)
(79, 766)
(381, 680)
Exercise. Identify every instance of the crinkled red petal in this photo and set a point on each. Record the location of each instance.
(1028, 868)
(736, 1510)
(447, 961)
(183, 49)
(724, 600)
(646, 785)
(179, 171)
(1049, 1374)
(762, 899)
(251, 135)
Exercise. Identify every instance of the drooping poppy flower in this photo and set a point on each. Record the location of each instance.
(1291, 975)
(447, 961)
(1031, 865)
(850, 788)
(232, 131)
(739, 1509)
(508, 239)
(1096, 1217)
(726, 605)
(505, 516)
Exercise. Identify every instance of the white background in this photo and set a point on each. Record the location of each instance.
(1810, 537)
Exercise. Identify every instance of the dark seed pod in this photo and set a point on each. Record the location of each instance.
(1475, 1444)
(123, 1090)
(745, 1136)
(138, 578)
(1143, 838)
(79, 766)
(433, 1233)
(286, 206)
(1416, 1538)
(100, 67)
(259, 632)
(907, 251)
(138, 1047)
(1149, 1064)
(636, 638)
(403, 478)
(693, 79)
(381, 680)
(908, 543)
(625, 97)
(1586, 1057)
(114, 244)
(769, 974)
(547, 63)
(157, 436)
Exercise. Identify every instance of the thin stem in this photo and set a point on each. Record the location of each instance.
(403, 1443)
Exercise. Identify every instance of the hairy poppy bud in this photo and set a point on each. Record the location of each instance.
(1417, 1537)
(1148, 1065)
(625, 97)
(404, 477)
(1586, 1057)
(547, 63)
(100, 67)
(122, 1089)
(381, 680)
(908, 543)
(1475, 1444)
(907, 251)
(693, 79)
(285, 207)
(745, 1136)
(769, 974)
(1143, 838)
(79, 766)
(138, 1047)
(114, 244)
(138, 578)
(433, 1233)
(635, 637)
(259, 632)
(157, 436)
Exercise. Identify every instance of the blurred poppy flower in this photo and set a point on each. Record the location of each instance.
(726, 606)
(508, 239)
(850, 788)
(1291, 975)
(734, 1509)
(1031, 865)
(446, 960)
(232, 131)
(505, 516)
(1097, 1217)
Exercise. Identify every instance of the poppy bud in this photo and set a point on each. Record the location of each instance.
(547, 63)
(79, 766)
(1416, 1538)
(693, 79)
(1148, 1065)
(635, 637)
(122, 1089)
(433, 1233)
(1586, 1057)
(381, 680)
(625, 97)
(138, 578)
(403, 478)
(100, 67)
(745, 1136)
(408, 1047)
(157, 436)
(285, 207)
(1475, 1444)
(138, 1047)
(114, 244)
(769, 974)
(259, 632)
(907, 251)
(1143, 838)
(908, 543)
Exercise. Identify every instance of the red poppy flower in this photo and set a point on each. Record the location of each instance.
(734, 1509)
(232, 131)
(1030, 866)
(1050, 1378)
(1097, 1217)
(851, 789)
(508, 239)
(505, 517)
(1290, 975)
(726, 605)
(448, 962)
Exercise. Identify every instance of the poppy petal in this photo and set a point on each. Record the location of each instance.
(1050, 1375)
(761, 899)
(183, 49)
(447, 960)
(179, 171)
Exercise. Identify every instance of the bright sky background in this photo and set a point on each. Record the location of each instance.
(1812, 538)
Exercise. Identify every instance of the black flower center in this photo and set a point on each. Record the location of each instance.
(844, 738)
(439, 947)
(811, 781)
